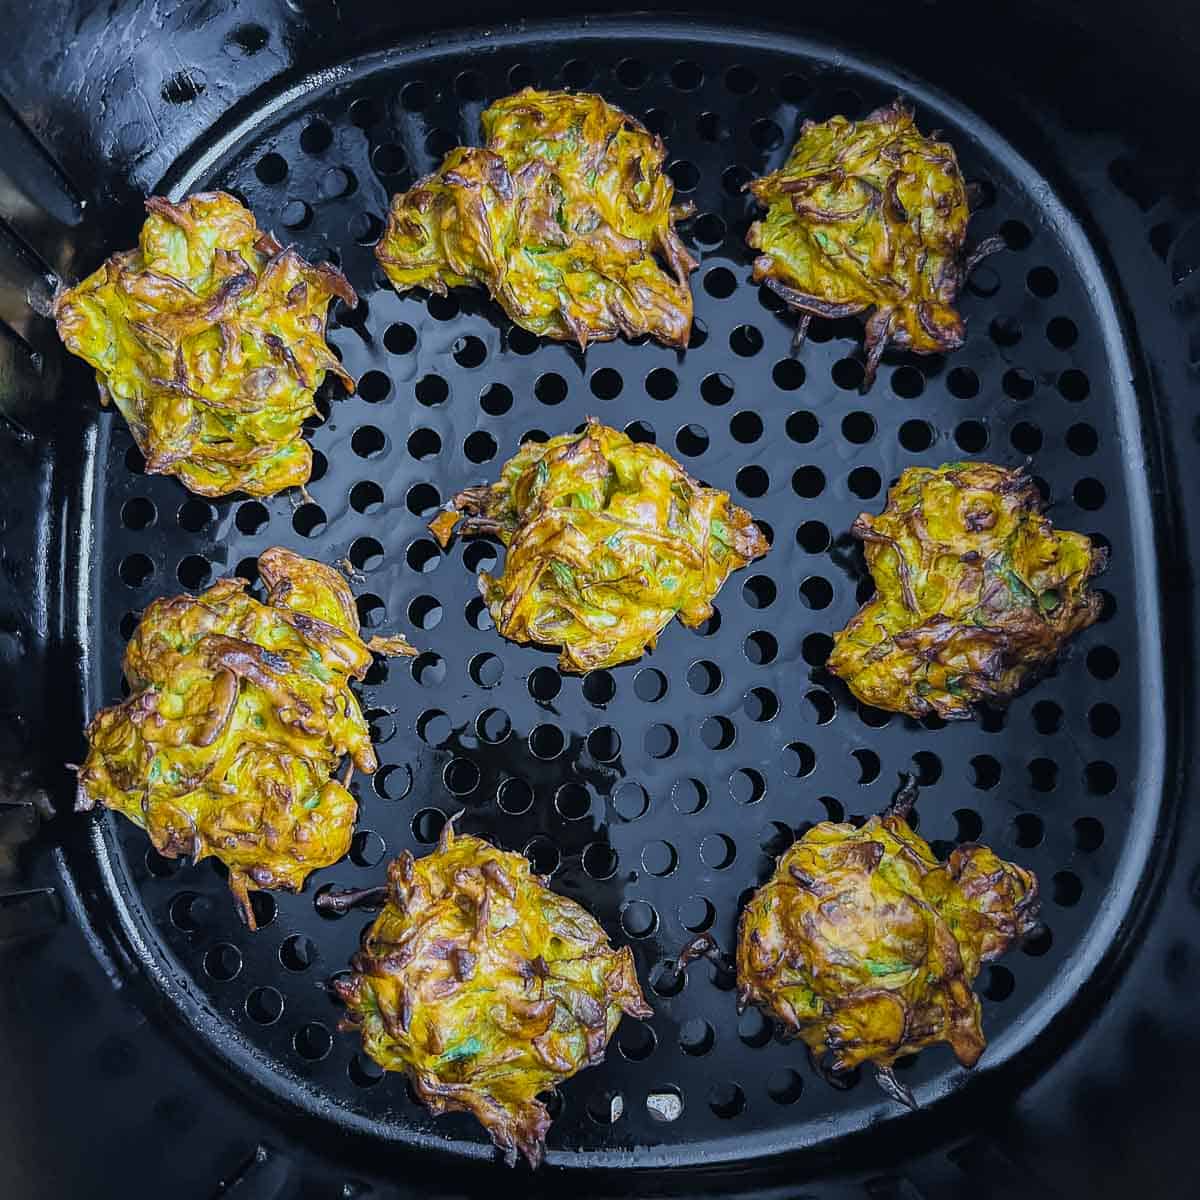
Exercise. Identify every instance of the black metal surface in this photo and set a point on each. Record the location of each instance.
(656, 794)
(1070, 780)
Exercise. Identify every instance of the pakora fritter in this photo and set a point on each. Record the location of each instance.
(239, 713)
(564, 216)
(607, 539)
(210, 339)
(869, 216)
(486, 988)
(975, 592)
(865, 946)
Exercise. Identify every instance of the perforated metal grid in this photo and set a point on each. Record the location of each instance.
(656, 793)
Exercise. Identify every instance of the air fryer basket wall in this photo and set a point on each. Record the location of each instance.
(124, 1073)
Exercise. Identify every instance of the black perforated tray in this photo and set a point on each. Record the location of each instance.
(658, 793)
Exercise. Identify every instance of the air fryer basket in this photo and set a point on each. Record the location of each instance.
(153, 1043)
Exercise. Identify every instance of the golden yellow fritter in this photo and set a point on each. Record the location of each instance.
(210, 339)
(871, 216)
(486, 988)
(608, 539)
(865, 946)
(564, 216)
(975, 592)
(238, 715)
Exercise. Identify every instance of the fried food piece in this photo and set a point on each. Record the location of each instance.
(869, 215)
(210, 339)
(975, 592)
(607, 539)
(564, 217)
(486, 988)
(865, 946)
(238, 716)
